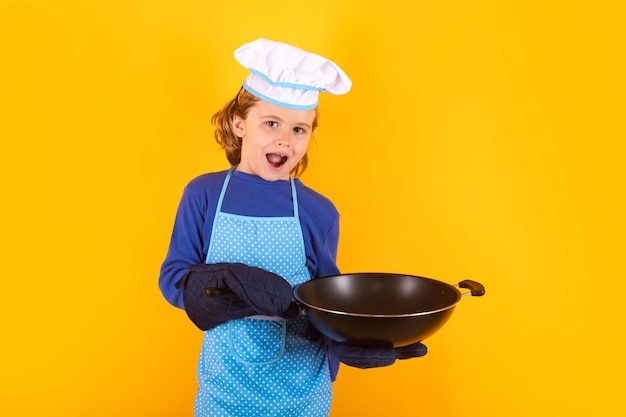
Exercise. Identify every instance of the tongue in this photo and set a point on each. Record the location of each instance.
(276, 159)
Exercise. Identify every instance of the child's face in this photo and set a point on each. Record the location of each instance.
(274, 139)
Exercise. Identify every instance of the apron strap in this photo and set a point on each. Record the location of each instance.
(296, 215)
(294, 198)
(218, 209)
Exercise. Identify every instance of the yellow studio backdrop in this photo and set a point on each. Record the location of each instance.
(482, 140)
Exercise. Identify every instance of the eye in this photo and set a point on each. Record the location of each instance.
(271, 123)
(299, 130)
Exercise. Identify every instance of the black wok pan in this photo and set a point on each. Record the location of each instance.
(378, 309)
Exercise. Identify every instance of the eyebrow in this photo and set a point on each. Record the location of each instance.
(270, 116)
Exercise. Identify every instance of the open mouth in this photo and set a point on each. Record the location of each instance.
(277, 160)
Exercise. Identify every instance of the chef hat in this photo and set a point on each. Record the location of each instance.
(287, 76)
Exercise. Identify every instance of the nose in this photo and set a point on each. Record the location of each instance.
(283, 139)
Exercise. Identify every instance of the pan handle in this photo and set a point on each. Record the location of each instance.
(476, 288)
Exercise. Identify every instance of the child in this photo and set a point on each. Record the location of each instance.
(243, 237)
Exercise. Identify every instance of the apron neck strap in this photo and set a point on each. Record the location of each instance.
(294, 194)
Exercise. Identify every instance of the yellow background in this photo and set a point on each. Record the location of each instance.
(482, 139)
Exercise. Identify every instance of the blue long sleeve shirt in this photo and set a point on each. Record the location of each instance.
(246, 195)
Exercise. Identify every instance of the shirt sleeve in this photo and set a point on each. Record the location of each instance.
(186, 246)
(327, 257)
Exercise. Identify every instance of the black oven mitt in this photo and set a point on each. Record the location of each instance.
(364, 358)
(242, 291)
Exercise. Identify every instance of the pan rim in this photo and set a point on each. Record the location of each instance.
(373, 315)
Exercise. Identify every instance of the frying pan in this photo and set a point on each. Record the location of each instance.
(379, 309)
(376, 309)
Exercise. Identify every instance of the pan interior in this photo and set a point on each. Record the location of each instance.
(377, 293)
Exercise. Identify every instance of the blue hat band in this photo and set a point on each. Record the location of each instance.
(284, 84)
(270, 100)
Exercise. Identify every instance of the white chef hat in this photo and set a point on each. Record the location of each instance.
(287, 76)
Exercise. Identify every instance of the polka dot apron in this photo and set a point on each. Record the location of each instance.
(262, 366)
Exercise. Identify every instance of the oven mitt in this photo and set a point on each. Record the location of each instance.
(373, 357)
(255, 291)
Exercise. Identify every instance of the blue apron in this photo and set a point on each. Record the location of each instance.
(262, 366)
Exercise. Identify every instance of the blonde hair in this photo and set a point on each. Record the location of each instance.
(225, 135)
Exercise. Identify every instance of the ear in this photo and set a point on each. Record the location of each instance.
(238, 126)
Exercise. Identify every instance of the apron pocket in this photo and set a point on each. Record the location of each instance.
(257, 342)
